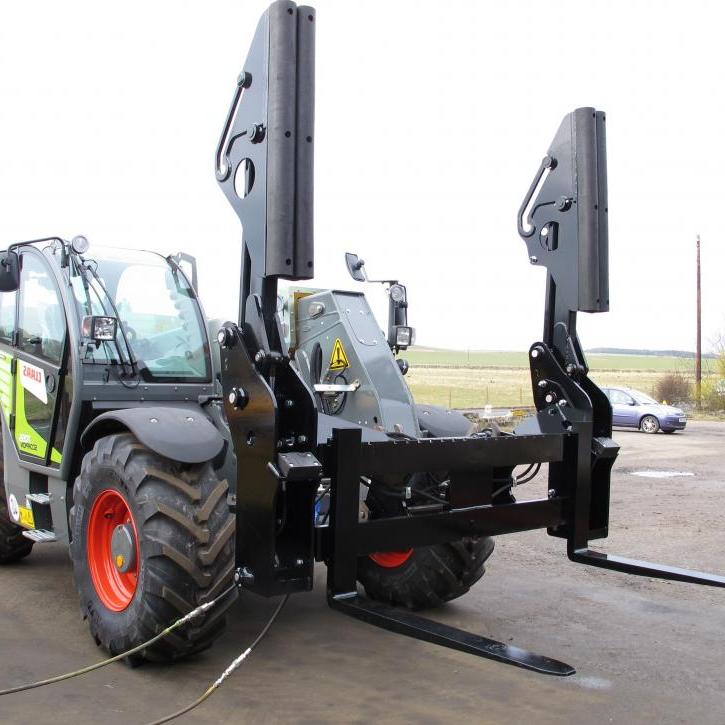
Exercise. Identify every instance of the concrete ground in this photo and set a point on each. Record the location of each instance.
(645, 651)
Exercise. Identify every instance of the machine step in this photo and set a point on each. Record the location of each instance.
(403, 622)
(40, 536)
(41, 498)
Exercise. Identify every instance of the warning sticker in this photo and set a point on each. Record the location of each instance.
(338, 359)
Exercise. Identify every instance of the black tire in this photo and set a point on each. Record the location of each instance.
(13, 545)
(431, 576)
(186, 545)
(649, 424)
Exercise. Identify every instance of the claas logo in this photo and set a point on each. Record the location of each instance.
(32, 373)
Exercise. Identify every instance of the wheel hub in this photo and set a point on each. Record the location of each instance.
(123, 548)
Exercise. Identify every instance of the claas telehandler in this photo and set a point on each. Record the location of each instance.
(177, 462)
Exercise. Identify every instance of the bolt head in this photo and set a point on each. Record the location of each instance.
(542, 384)
(238, 398)
(563, 203)
(255, 133)
(533, 259)
(225, 337)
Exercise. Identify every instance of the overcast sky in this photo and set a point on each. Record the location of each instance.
(432, 119)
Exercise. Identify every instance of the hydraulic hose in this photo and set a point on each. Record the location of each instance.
(201, 609)
(229, 670)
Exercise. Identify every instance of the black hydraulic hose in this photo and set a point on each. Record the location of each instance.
(528, 475)
(229, 670)
(201, 609)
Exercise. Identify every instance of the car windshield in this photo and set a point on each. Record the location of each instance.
(157, 309)
(643, 399)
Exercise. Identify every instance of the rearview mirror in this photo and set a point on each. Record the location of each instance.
(9, 272)
(356, 267)
(99, 328)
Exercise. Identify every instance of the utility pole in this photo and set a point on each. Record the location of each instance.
(698, 352)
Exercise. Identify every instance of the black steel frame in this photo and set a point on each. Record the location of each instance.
(272, 414)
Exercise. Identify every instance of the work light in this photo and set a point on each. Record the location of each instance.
(404, 336)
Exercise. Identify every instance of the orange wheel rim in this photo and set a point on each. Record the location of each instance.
(115, 588)
(391, 559)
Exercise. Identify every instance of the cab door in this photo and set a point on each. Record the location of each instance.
(621, 408)
(40, 347)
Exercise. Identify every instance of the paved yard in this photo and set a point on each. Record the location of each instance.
(645, 651)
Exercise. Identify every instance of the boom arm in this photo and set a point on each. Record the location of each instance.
(264, 162)
(564, 226)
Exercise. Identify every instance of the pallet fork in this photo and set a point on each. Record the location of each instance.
(284, 446)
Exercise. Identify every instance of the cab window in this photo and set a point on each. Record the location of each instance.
(41, 320)
(7, 316)
(162, 321)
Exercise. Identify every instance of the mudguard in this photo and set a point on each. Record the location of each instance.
(443, 423)
(179, 433)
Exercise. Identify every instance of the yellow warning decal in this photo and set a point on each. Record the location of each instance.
(338, 359)
(26, 517)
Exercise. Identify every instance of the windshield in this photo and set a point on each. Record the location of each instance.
(157, 309)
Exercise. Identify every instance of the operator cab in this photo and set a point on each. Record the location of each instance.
(86, 325)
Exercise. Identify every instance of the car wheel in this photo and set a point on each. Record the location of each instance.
(649, 424)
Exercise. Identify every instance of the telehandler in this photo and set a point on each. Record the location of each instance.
(175, 464)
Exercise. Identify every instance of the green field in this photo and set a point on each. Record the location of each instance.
(507, 359)
(461, 379)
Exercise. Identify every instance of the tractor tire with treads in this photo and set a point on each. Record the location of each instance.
(429, 576)
(13, 545)
(423, 577)
(178, 550)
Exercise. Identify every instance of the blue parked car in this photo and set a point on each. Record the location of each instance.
(633, 409)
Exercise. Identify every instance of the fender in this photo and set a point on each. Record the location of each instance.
(441, 422)
(178, 433)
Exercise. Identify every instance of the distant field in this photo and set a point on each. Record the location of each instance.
(459, 379)
(504, 359)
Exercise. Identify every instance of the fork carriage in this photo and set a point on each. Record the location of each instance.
(286, 445)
